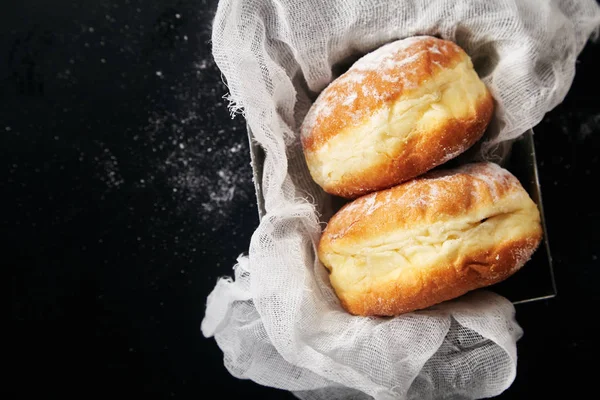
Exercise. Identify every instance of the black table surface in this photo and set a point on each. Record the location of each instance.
(128, 192)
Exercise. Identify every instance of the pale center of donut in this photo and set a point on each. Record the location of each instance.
(450, 94)
(404, 253)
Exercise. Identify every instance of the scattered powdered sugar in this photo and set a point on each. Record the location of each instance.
(386, 64)
(350, 99)
(213, 190)
(370, 204)
(206, 170)
(427, 196)
(355, 77)
(390, 63)
(354, 211)
(522, 254)
(360, 205)
(453, 153)
(495, 178)
(321, 108)
(430, 192)
(589, 125)
(434, 49)
(374, 59)
(110, 172)
(434, 192)
(223, 191)
(492, 174)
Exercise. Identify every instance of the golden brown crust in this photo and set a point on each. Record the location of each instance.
(424, 63)
(435, 196)
(464, 198)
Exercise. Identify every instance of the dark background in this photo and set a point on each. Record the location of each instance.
(127, 191)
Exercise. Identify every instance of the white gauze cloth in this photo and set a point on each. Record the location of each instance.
(278, 322)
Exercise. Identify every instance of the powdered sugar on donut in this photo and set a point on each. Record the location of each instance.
(375, 79)
(495, 177)
(432, 193)
(350, 99)
(384, 58)
(320, 109)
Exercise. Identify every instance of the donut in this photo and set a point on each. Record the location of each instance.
(429, 239)
(398, 112)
